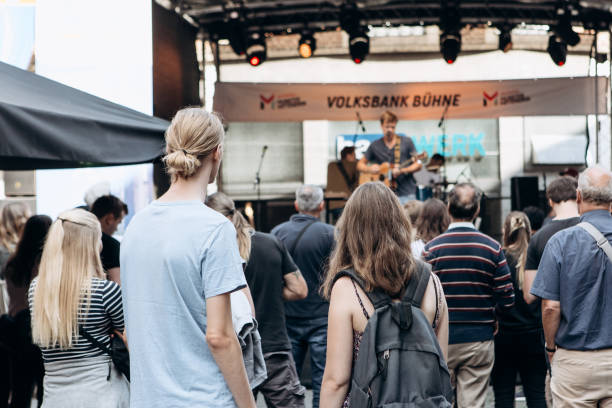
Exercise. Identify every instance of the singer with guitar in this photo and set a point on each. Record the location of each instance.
(395, 150)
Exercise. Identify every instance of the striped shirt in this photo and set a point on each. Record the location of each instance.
(105, 314)
(475, 277)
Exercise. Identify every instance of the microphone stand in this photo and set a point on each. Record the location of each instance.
(360, 126)
(442, 125)
(257, 186)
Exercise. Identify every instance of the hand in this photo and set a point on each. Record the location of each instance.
(121, 335)
(396, 172)
(550, 356)
(496, 328)
(374, 168)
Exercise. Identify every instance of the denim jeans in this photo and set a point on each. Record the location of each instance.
(306, 333)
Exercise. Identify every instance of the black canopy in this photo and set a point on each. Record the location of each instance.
(47, 125)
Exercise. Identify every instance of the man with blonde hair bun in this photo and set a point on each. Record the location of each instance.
(574, 281)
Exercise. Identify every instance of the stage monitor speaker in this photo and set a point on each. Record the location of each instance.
(19, 183)
(525, 192)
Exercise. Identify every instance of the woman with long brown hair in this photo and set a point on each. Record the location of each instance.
(518, 344)
(432, 221)
(373, 238)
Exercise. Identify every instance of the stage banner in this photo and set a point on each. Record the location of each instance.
(282, 102)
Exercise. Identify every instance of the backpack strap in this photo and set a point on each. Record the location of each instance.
(378, 298)
(300, 234)
(418, 284)
(602, 241)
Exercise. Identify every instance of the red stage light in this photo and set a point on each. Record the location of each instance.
(561, 63)
(254, 61)
(450, 61)
(357, 61)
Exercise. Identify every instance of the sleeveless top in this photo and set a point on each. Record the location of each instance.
(358, 335)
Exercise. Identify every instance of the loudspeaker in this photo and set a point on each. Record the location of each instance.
(525, 192)
(19, 183)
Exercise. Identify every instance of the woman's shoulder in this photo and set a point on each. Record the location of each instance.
(104, 286)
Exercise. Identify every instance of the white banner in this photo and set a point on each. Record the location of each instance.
(271, 102)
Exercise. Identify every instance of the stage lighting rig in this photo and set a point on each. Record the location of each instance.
(564, 28)
(450, 26)
(450, 45)
(307, 45)
(256, 50)
(557, 49)
(359, 46)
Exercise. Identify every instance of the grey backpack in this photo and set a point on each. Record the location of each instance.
(400, 363)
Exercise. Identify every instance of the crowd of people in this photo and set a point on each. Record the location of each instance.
(402, 303)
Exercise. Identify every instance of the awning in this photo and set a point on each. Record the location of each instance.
(44, 125)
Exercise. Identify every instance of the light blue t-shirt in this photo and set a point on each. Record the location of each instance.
(173, 257)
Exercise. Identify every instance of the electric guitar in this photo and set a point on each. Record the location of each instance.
(385, 174)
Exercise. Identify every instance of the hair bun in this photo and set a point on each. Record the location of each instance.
(182, 163)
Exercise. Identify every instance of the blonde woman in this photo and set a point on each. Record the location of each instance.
(179, 265)
(12, 219)
(518, 344)
(70, 296)
(373, 238)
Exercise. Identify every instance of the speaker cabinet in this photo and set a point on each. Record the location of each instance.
(19, 183)
(525, 192)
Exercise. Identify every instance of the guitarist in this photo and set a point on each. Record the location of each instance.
(393, 149)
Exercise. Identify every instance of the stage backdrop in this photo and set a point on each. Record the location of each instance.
(251, 102)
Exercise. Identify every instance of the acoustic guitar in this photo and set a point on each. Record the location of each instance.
(385, 174)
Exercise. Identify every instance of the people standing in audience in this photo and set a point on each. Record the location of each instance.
(110, 211)
(433, 221)
(77, 373)
(476, 279)
(536, 217)
(574, 281)
(272, 277)
(179, 264)
(561, 195)
(413, 209)
(310, 243)
(518, 343)
(26, 360)
(12, 220)
(373, 234)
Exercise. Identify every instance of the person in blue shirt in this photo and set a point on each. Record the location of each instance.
(574, 281)
(309, 242)
(179, 264)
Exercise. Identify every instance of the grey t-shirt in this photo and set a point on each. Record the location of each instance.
(174, 256)
(578, 274)
(378, 153)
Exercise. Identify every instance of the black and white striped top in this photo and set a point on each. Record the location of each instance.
(105, 314)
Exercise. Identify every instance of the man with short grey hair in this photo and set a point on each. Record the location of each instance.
(476, 279)
(574, 281)
(310, 242)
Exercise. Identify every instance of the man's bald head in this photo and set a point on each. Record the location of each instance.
(595, 186)
(464, 202)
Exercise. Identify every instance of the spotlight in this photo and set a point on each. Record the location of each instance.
(307, 45)
(450, 25)
(505, 39)
(256, 50)
(557, 49)
(359, 46)
(450, 45)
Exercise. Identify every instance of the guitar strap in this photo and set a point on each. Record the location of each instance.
(350, 183)
(398, 151)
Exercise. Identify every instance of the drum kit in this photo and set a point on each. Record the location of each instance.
(430, 183)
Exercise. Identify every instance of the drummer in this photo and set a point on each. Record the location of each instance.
(428, 177)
